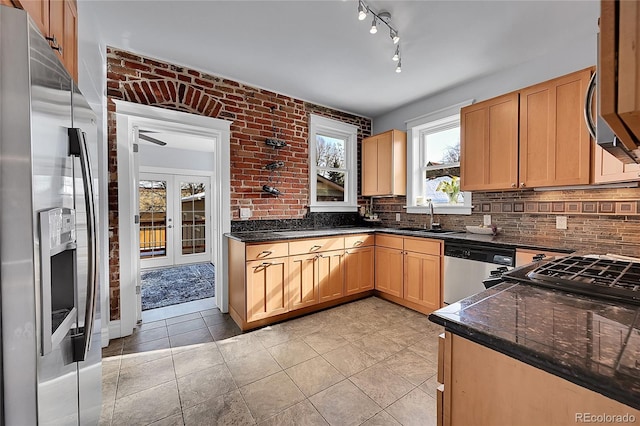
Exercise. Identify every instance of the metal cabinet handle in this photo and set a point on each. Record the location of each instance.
(357, 243)
(513, 185)
(78, 147)
(266, 252)
(522, 185)
(263, 265)
(54, 43)
(313, 248)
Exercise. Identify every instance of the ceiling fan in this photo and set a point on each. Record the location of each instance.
(143, 136)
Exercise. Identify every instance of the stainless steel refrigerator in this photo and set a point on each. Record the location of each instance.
(50, 334)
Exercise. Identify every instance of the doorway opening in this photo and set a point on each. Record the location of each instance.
(175, 239)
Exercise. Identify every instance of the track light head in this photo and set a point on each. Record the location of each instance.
(396, 56)
(399, 67)
(374, 29)
(362, 11)
(394, 36)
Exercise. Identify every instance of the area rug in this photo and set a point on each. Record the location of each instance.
(176, 284)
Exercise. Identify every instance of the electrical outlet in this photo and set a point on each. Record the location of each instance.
(486, 220)
(397, 217)
(245, 212)
(561, 222)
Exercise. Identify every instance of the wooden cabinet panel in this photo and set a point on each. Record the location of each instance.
(358, 270)
(389, 270)
(489, 144)
(303, 281)
(70, 38)
(330, 275)
(267, 250)
(422, 279)
(607, 168)
(361, 240)
(555, 147)
(316, 245)
(39, 12)
(389, 241)
(423, 245)
(629, 65)
(383, 164)
(267, 290)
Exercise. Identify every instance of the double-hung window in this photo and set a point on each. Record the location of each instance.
(332, 165)
(434, 167)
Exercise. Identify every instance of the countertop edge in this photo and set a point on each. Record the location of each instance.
(269, 236)
(534, 359)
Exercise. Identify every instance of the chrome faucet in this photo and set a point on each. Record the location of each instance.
(432, 224)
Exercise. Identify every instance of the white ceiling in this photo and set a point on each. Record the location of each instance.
(319, 51)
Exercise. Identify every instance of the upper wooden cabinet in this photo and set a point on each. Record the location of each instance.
(555, 146)
(619, 69)
(384, 164)
(489, 144)
(58, 22)
(533, 138)
(608, 169)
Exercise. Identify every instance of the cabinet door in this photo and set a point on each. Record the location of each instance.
(384, 164)
(330, 267)
(39, 12)
(555, 147)
(369, 163)
(489, 144)
(389, 266)
(70, 38)
(267, 290)
(358, 270)
(422, 279)
(303, 281)
(608, 168)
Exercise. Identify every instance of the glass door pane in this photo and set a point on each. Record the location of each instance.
(153, 218)
(194, 219)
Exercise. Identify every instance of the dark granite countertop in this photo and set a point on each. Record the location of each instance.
(529, 241)
(593, 343)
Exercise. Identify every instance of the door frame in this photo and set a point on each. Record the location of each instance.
(128, 116)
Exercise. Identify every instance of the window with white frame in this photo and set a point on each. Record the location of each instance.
(434, 166)
(332, 165)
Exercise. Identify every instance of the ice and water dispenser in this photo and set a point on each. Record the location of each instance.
(57, 276)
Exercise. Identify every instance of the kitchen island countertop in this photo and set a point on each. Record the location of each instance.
(590, 342)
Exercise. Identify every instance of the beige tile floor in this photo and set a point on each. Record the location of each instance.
(369, 362)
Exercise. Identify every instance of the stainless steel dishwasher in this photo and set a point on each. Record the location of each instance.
(466, 264)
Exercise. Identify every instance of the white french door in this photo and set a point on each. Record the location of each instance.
(175, 216)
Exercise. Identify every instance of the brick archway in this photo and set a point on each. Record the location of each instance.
(173, 95)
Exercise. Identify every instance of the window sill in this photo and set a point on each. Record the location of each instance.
(440, 209)
(333, 209)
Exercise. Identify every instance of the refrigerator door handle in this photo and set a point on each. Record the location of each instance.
(78, 148)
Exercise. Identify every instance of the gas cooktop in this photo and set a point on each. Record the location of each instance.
(596, 276)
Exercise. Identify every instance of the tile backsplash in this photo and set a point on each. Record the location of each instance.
(599, 220)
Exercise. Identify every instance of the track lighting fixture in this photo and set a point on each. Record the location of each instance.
(399, 67)
(362, 11)
(396, 56)
(384, 17)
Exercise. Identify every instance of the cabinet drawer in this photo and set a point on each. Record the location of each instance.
(360, 240)
(389, 241)
(316, 245)
(266, 251)
(422, 245)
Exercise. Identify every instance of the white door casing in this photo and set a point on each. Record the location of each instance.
(128, 116)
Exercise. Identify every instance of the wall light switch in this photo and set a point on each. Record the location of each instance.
(397, 217)
(561, 222)
(245, 213)
(486, 220)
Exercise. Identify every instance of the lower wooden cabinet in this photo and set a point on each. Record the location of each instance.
(358, 270)
(389, 270)
(330, 275)
(267, 288)
(409, 271)
(422, 279)
(303, 281)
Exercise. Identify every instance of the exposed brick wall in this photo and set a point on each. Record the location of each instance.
(253, 112)
(618, 234)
